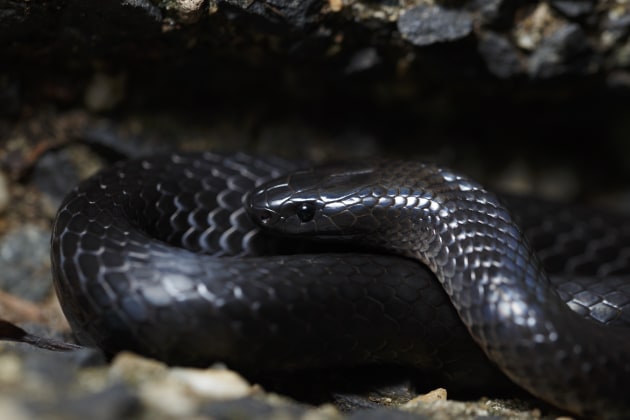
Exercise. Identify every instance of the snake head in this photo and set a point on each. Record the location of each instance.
(316, 202)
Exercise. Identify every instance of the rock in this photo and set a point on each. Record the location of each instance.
(493, 13)
(426, 25)
(438, 394)
(573, 8)
(296, 13)
(10, 409)
(189, 11)
(24, 258)
(566, 51)
(535, 26)
(211, 383)
(55, 175)
(501, 57)
(145, 7)
(177, 391)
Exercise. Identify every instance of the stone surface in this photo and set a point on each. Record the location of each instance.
(563, 52)
(41, 385)
(25, 263)
(574, 8)
(501, 56)
(426, 25)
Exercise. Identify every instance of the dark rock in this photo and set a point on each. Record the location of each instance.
(426, 25)
(114, 402)
(573, 8)
(52, 367)
(616, 27)
(566, 51)
(501, 57)
(295, 13)
(55, 175)
(150, 9)
(495, 13)
(24, 258)
(87, 357)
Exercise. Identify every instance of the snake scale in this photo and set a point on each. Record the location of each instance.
(160, 256)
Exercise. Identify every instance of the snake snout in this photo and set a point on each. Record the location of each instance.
(261, 214)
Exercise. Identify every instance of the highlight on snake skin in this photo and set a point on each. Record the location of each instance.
(195, 258)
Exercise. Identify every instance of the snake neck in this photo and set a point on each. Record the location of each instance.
(470, 241)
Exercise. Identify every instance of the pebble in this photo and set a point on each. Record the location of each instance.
(9, 409)
(573, 8)
(177, 391)
(438, 394)
(425, 25)
(501, 57)
(560, 53)
(189, 11)
(25, 262)
(44, 385)
(211, 383)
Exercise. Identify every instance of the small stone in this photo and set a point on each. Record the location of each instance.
(24, 258)
(294, 13)
(134, 369)
(438, 394)
(189, 11)
(491, 12)
(177, 391)
(573, 8)
(10, 369)
(335, 5)
(566, 51)
(9, 409)
(146, 7)
(212, 383)
(534, 27)
(501, 57)
(168, 398)
(615, 27)
(426, 25)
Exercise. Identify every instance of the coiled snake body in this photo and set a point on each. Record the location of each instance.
(159, 256)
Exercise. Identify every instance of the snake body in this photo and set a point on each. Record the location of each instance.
(159, 256)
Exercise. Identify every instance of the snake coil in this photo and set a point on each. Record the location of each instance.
(159, 256)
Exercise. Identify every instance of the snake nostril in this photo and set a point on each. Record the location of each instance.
(265, 216)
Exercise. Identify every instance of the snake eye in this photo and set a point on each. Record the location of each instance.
(305, 211)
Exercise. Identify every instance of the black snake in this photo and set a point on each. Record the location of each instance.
(159, 256)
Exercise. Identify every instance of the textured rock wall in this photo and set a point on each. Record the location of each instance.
(510, 78)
